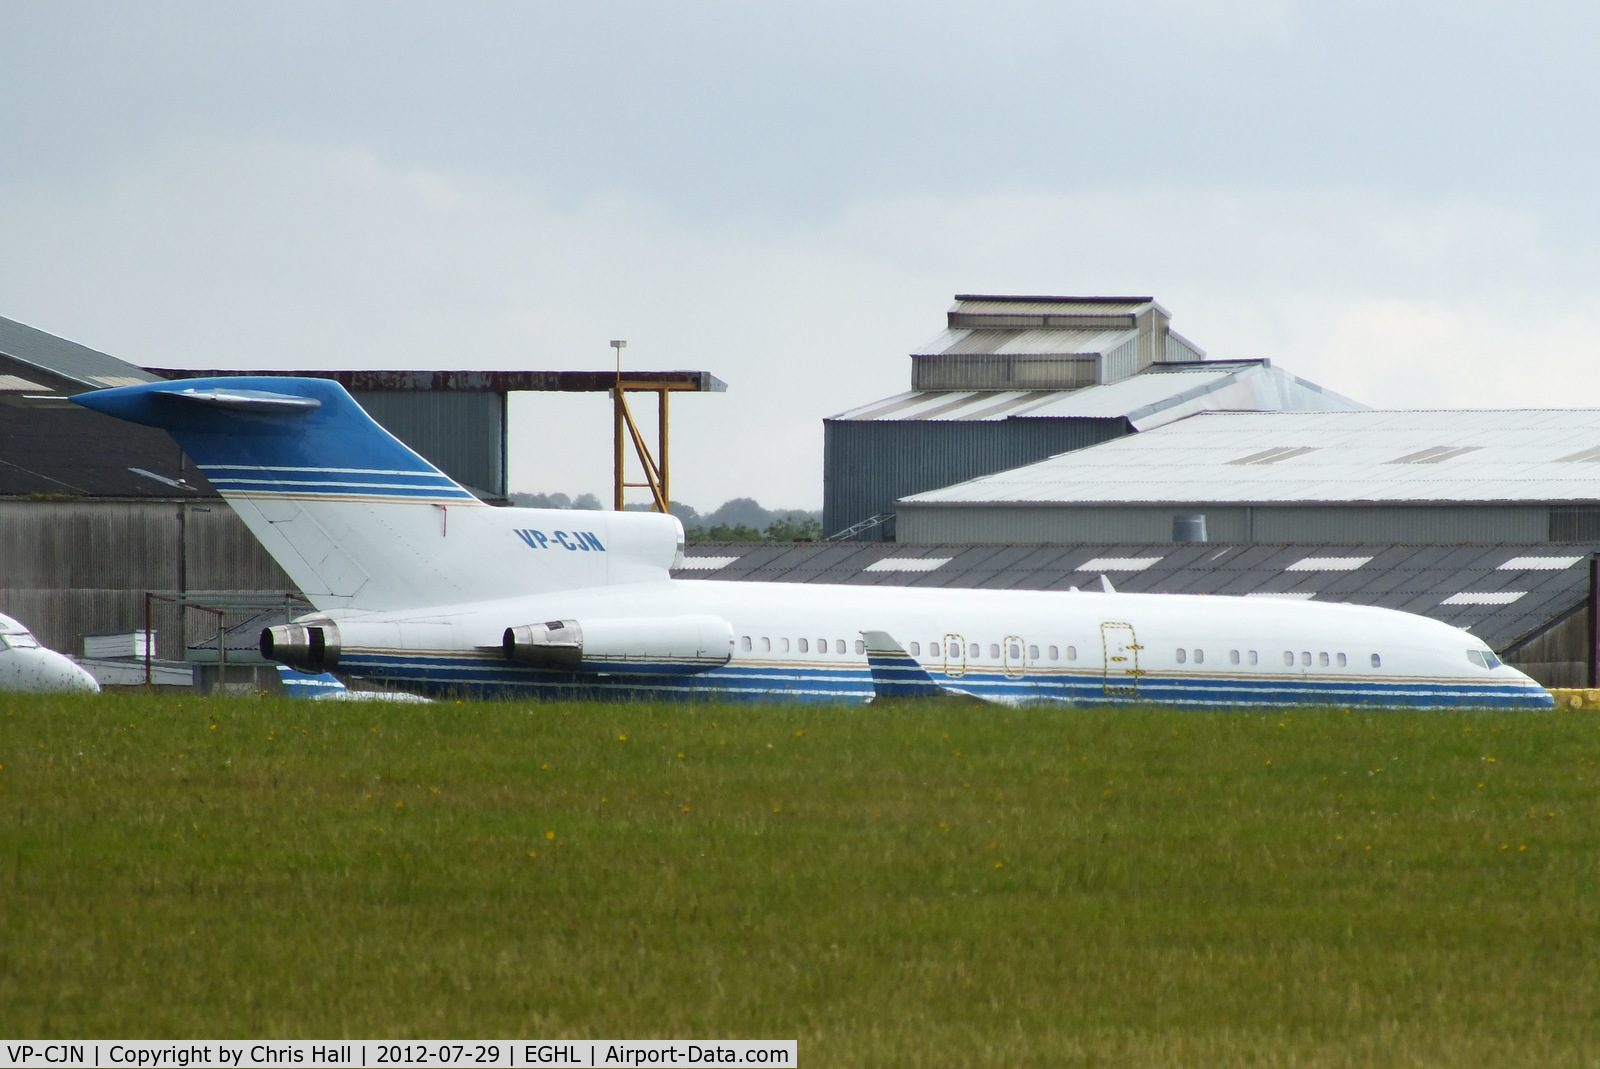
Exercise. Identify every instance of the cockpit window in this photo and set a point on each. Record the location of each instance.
(1483, 658)
(1476, 658)
(18, 640)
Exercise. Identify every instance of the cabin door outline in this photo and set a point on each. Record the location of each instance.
(1015, 667)
(1120, 646)
(953, 666)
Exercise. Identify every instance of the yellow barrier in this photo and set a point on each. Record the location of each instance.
(1576, 699)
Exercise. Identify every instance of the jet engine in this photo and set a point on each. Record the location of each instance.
(305, 647)
(670, 644)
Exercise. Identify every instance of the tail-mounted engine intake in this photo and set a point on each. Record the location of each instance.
(303, 647)
(675, 644)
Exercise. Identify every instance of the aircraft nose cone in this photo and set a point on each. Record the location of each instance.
(47, 671)
(81, 682)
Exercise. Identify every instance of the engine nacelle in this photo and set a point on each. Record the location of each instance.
(307, 647)
(671, 644)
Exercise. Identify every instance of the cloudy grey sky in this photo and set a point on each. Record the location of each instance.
(1393, 199)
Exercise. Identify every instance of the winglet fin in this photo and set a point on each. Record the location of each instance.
(1105, 584)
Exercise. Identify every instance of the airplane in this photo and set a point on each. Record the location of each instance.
(26, 665)
(418, 585)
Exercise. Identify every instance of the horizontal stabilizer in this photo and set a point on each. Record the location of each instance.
(895, 673)
(248, 400)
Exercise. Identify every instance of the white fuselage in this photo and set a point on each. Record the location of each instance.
(806, 641)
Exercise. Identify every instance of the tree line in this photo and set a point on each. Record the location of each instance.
(742, 519)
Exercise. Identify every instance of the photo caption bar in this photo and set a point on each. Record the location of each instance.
(381, 1054)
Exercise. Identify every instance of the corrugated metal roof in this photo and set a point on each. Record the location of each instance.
(67, 359)
(1153, 397)
(1052, 341)
(1497, 455)
(1480, 588)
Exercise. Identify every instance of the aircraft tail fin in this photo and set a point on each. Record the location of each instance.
(358, 519)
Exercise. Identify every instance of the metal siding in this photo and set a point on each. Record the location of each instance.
(1121, 362)
(224, 555)
(867, 465)
(75, 568)
(1415, 523)
(460, 433)
(1009, 523)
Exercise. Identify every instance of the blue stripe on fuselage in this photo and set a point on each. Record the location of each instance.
(853, 684)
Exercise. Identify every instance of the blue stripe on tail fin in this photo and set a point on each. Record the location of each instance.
(288, 437)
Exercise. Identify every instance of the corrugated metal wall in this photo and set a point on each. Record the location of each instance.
(75, 568)
(1413, 523)
(867, 464)
(462, 433)
(1558, 655)
(1123, 361)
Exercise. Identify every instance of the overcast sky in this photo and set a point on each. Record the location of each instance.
(1394, 200)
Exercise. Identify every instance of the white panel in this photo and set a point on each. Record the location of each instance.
(1538, 564)
(1496, 597)
(1117, 564)
(907, 564)
(1327, 564)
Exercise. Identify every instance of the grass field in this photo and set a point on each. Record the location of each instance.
(912, 885)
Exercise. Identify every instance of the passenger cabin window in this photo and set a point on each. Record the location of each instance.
(744, 643)
(1183, 655)
(972, 651)
(822, 645)
(1233, 656)
(861, 645)
(838, 645)
(1322, 659)
(1288, 658)
(1377, 662)
(1033, 653)
(1305, 658)
(1014, 651)
(994, 651)
(1252, 656)
(783, 645)
(1341, 660)
(766, 645)
(916, 650)
(802, 646)
(1072, 653)
(1055, 653)
(1199, 656)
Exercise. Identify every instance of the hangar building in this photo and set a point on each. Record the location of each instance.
(1441, 477)
(1013, 380)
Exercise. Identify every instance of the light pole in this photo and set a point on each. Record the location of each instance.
(616, 420)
